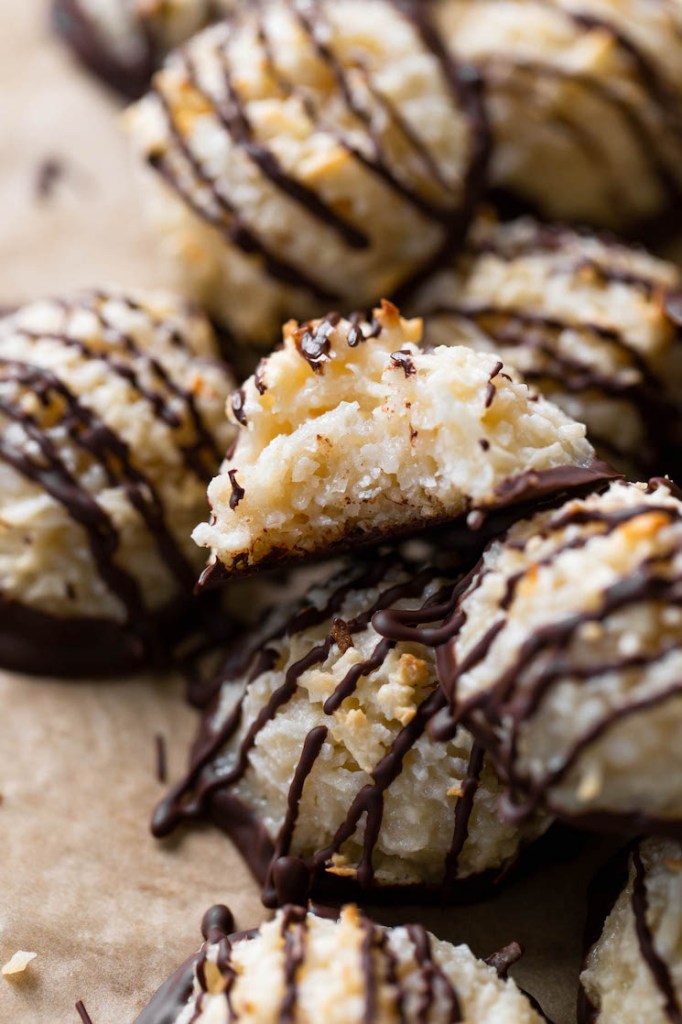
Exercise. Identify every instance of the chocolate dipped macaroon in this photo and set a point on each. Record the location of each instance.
(123, 42)
(584, 99)
(315, 755)
(633, 968)
(310, 156)
(111, 422)
(309, 968)
(596, 326)
(351, 433)
(565, 660)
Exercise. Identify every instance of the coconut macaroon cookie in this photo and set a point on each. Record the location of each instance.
(633, 971)
(584, 102)
(124, 41)
(566, 660)
(305, 157)
(307, 968)
(588, 322)
(350, 433)
(315, 756)
(111, 424)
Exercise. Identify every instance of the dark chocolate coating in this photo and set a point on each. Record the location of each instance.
(515, 497)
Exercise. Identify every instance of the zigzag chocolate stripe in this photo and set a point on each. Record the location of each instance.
(186, 174)
(206, 791)
(543, 654)
(377, 963)
(539, 334)
(660, 101)
(604, 892)
(659, 969)
(34, 452)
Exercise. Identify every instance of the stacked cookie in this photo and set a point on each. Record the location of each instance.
(499, 647)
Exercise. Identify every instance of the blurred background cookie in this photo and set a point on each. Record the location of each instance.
(587, 321)
(111, 406)
(584, 100)
(303, 158)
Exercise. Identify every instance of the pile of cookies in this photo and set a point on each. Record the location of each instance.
(492, 640)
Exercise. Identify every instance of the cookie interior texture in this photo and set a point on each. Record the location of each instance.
(351, 433)
(315, 755)
(112, 415)
(313, 968)
(565, 659)
(306, 157)
(633, 971)
(587, 321)
(583, 99)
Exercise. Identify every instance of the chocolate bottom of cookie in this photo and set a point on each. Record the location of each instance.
(38, 643)
(528, 492)
(290, 879)
(172, 997)
(129, 78)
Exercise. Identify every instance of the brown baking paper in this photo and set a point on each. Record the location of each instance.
(109, 911)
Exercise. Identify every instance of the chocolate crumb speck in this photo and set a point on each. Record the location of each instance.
(403, 360)
(237, 491)
(261, 386)
(238, 399)
(341, 635)
(48, 175)
(83, 1013)
(490, 390)
(161, 758)
(484, 443)
(505, 958)
(314, 345)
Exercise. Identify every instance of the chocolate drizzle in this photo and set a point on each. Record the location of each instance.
(627, 867)
(653, 121)
(313, 341)
(208, 789)
(386, 976)
(659, 969)
(404, 361)
(42, 408)
(208, 196)
(499, 714)
(617, 371)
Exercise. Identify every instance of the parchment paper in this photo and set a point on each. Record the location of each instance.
(109, 911)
